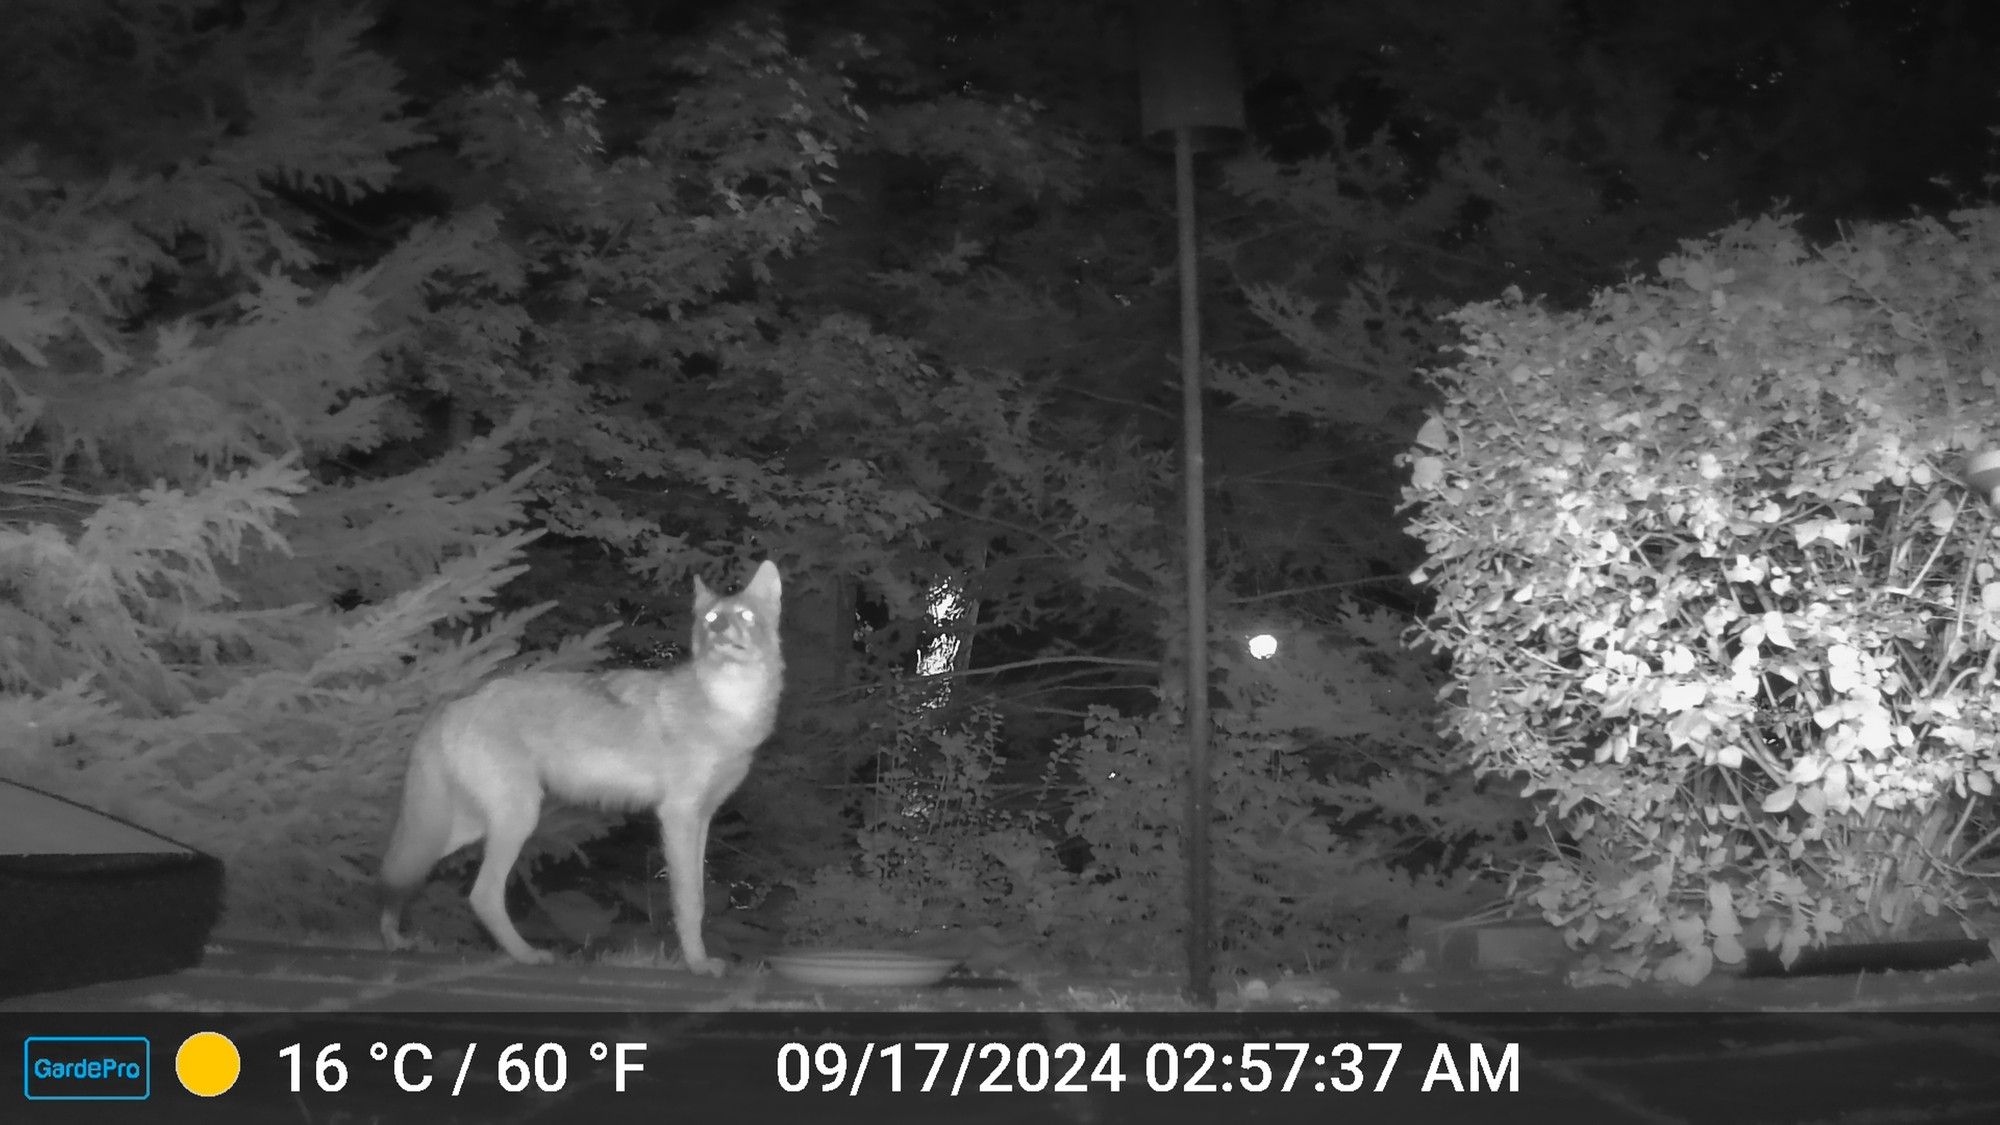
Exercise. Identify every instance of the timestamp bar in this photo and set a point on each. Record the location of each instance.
(1194, 1067)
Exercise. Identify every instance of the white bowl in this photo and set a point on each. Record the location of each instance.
(860, 968)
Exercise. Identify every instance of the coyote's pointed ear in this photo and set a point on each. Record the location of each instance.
(764, 585)
(703, 596)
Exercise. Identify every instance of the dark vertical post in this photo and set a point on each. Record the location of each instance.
(1201, 926)
(1191, 95)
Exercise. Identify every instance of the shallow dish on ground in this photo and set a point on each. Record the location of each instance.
(861, 967)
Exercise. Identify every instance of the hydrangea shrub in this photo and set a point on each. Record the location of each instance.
(1715, 594)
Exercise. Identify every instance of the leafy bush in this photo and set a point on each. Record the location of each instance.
(1328, 786)
(1329, 792)
(938, 847)
(1712, 596)
(150, 666)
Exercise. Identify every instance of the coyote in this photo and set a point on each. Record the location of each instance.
(677, 741)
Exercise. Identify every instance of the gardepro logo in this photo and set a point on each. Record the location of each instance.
(87, 1068)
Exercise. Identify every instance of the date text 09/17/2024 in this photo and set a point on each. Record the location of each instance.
(1186, 1067)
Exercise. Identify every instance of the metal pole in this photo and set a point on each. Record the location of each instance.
(1200, 932)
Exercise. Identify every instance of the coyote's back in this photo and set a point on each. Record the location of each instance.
(678, 742)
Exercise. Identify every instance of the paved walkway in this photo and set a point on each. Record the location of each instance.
(254, 976)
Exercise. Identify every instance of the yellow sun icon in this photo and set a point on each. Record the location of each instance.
(207, 1063)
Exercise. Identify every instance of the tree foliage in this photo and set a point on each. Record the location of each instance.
(187, 382)
(374, 340)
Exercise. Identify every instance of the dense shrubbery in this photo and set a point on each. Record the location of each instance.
(1712, 593)
(1331, 795)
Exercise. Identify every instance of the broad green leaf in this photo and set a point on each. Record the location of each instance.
(1775, 631)
(1688, 967)
(1728, 949)
(1722, 911)
(1678, 697)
